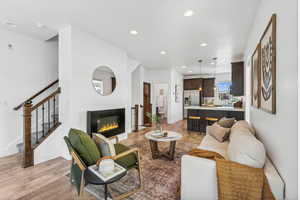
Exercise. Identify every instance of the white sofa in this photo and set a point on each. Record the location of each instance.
(198, 175)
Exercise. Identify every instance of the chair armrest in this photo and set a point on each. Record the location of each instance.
(78, 161)
(198, 178)
(126, 153)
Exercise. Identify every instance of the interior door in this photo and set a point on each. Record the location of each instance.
(147, 104)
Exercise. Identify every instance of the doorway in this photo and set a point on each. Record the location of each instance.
(160, 100)
(147, 103)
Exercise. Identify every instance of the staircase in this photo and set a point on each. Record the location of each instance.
(40, 119)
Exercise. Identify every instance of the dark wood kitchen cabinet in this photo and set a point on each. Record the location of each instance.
(208, 87)
(237, 79)
(192, 84)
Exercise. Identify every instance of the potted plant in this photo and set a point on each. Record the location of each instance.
(156, 119)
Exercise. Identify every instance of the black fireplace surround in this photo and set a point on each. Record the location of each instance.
(106, 122)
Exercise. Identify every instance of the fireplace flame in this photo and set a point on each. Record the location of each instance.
(108, 127)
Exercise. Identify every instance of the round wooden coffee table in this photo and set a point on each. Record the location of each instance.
(172, 138)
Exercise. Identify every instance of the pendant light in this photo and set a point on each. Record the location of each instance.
(215, 71)
(200, 86)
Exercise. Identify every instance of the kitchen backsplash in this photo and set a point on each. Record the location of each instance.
(191, 97)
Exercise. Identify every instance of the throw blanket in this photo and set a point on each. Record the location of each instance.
(237, 181)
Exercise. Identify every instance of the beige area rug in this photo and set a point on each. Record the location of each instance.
(161, 177)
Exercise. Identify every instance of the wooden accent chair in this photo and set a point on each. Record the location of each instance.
(84, 154)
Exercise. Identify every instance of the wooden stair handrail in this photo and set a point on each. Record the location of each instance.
(46, 99)
(28, 108)
(37, 94)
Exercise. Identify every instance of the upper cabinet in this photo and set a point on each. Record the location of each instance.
(237, 79)
(192, 84)
(208, 87)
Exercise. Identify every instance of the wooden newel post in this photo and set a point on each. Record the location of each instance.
(136, 117)
(28, 151)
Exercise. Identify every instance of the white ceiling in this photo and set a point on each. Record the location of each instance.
(222, 24)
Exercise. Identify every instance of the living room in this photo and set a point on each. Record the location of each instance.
(129, 85)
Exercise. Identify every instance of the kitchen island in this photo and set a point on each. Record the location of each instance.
(198, 117)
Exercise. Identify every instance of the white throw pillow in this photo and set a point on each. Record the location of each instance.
(218, 132)
(239, 131)
(241, 127)
(246, 149)
(105, 145)
(243, 124)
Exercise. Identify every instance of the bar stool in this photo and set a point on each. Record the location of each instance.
(211, 120)
(197, 123)
(194, 123)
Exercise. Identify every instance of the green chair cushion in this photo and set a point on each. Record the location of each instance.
(129, 161)
(84, 146)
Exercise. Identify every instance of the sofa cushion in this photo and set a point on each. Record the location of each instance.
(241, 127)
(128, 161)
(246, 149)
(243, 124)
(219, 133)
(211, 144)
(226, 122)
(84, 146)
(274, 179)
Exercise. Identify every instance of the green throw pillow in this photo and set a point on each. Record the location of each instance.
(84, 146)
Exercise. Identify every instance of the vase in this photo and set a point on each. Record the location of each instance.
(158, 128)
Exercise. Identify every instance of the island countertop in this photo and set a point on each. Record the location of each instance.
(214, 108)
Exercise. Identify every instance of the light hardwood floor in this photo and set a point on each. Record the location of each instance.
(43, 181)
(48, 180)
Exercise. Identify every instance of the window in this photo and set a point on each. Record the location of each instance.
(224, 87)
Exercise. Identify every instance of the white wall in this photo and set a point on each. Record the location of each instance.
(279, 132)
(157, 75)
(81, 53)
(159, 79)
(137, 79)
(175, 109)
(136, 88)
(88, 52)
(25, 69)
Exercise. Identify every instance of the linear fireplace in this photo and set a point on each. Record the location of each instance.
(106, 122)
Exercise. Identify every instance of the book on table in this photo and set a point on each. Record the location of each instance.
(105, 176)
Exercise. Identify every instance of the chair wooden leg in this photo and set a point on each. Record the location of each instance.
(81, 185)
(71, 177)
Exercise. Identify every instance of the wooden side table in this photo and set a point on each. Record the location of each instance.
(172, 138)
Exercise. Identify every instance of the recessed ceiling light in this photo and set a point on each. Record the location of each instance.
(190, 71)
(163, 53)
(188, 13)
(183, 67)
(212, 63)
(11, 24)
(203, 44)
(133, 32)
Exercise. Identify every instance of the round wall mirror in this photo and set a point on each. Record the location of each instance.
(104, 80)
